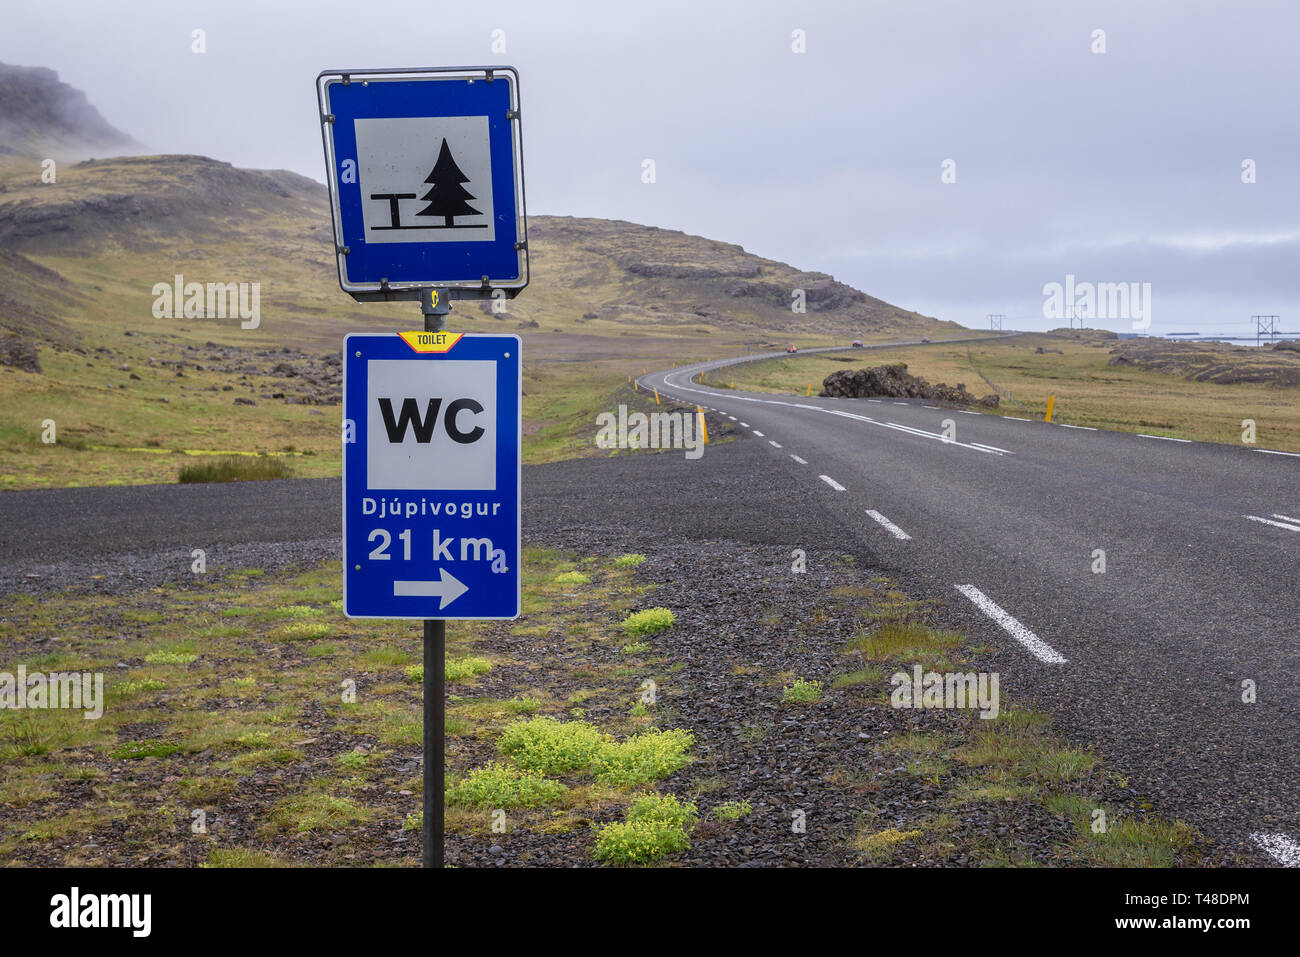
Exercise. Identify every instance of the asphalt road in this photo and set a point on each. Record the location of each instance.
(1200, 592)
(1000, 526)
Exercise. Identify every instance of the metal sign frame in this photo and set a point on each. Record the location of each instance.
(399, 284)
(356, 475)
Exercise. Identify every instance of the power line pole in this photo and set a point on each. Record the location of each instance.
(995, 321)
(1265, 326)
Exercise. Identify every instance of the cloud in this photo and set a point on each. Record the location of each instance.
(1121, 166)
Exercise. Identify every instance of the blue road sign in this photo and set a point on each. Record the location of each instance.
(431, 469)
(425, 170)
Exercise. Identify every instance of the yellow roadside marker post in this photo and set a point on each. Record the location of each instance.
(1051, 401)
(809, 392)
(704, 428)
(656, 396)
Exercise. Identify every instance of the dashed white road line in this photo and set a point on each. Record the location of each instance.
(1280, 847)
(799, 460)
(1166, 438)
(1036, 646)
(744, 425)
(935, 407)
(1269, 521)
(900, 403)
(832, 483)
(732, 418)
(889, 526)
(969, 412)
(1294, 455)
(758, 433)
(775, 445)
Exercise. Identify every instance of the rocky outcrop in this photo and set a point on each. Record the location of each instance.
(17, 352)
(39, 112)
(1211, 361)
(895, 382)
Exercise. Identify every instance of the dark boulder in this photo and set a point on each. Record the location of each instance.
(895, 382)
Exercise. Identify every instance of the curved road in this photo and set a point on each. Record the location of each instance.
(1152, 654)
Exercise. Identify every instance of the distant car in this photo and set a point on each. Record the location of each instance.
(792, 348)
(857, 343)
(925, 338)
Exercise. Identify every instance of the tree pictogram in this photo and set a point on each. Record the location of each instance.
(447, 197)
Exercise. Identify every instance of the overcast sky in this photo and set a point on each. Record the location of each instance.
(1122, 166)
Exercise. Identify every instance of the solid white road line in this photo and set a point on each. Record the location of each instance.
(1017, 418)
(832, 483)
(1269, 521)
(1037, 647)
(1280, 847)
(889, 526)
(1287, 518)
(930, 407)
(1294, 455)
(775, 445)
(1143, 435)
(758, 433)
(968, 412)
(900, 403)
(1086, 428)
(797, 459)
(939, 436)
(991, 448)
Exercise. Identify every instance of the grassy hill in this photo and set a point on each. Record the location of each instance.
(128, 390)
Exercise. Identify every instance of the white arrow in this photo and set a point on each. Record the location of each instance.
(448, 588)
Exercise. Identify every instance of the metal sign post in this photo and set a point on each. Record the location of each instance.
(433, 829)
(426, 182)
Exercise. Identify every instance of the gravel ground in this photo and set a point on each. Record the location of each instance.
(827, 759)
(118, 574)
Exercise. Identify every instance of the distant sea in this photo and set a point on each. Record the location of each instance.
(1235, 340)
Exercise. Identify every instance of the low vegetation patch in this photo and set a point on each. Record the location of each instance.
(457, 669)
(801, 691)
(237, 468)
(648, 621)
(497, 785)
(655, 826)
(732, 810)
(547, 746)
(136, 750)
